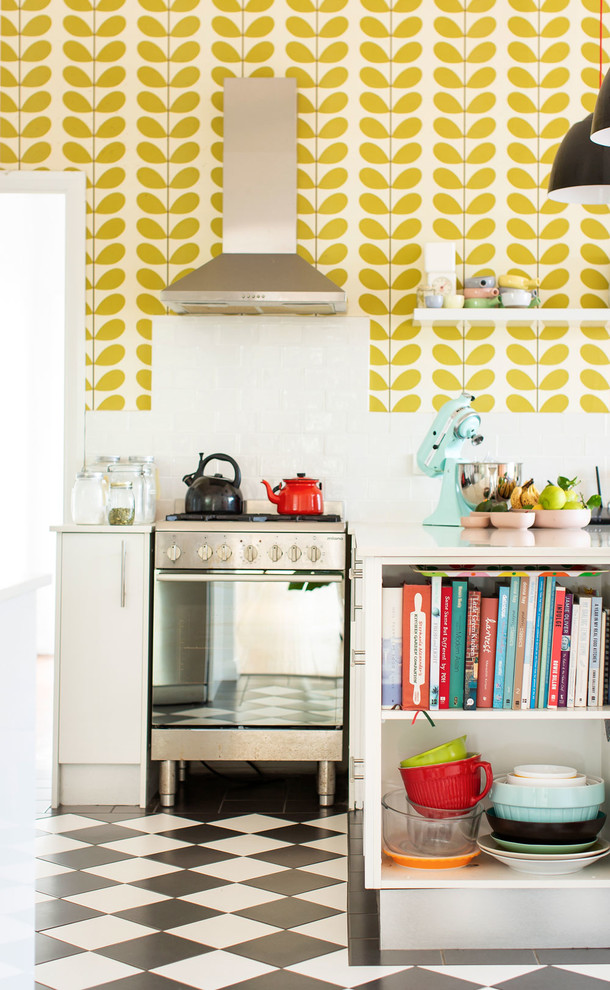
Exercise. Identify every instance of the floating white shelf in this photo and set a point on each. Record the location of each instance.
(493, 714)
(489, 873)
(448, 317)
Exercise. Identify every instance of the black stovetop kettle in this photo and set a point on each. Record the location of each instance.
(213, 493)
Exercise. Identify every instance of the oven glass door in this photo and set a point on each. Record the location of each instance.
(248, 649)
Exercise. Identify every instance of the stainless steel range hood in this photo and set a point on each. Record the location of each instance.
(259, 270)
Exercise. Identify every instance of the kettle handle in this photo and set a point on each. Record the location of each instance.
(224, 457)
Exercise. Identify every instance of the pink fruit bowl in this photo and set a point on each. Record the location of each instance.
(512, 520)
(561, 518)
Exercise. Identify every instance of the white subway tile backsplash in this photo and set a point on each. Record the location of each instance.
(282, 395)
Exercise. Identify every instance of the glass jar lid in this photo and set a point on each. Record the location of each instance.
(141, 458)
(107, 459)
(121, 484)
(124, 468)
(90, 474)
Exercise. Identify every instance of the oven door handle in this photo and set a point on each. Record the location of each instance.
(206, 576)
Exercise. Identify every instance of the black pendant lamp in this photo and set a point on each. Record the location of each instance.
(581, 169)
(600, 127)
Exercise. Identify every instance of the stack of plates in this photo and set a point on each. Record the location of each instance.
(541, 859)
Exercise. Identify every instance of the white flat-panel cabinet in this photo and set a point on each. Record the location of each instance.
(102, 660)
(483, 904)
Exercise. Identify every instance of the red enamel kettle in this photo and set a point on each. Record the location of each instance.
(299, 496)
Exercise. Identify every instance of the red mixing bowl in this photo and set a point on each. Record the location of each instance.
(448, 785)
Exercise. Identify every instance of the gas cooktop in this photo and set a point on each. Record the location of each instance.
(249, 517)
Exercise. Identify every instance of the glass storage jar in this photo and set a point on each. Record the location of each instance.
(121, 504)
(149, 482)
(88, 499)
(128, 471)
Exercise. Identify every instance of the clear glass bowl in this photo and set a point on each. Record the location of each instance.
(407, 831)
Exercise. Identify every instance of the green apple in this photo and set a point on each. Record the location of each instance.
(573, 500)
(553, 497)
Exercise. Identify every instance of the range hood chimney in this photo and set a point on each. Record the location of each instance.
(259, 270)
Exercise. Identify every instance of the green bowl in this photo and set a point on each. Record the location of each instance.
(446, 753)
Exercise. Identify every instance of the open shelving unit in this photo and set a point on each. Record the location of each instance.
(474, 899)
(500, 317)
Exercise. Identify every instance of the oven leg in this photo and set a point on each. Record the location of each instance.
(167, 783)
(182, 770)
(326, 782)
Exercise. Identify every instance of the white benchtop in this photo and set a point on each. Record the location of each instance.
(76, 528)
(15, 585)
(466, 546)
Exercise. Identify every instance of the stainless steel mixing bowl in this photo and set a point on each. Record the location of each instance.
(477, 480)
(481, 479)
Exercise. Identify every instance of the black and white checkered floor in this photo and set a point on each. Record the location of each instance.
(246, 892)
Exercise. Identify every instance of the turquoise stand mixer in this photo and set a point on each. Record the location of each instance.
(439, 454)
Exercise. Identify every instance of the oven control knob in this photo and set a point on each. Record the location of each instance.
(275, 552)
(173, 552)
(250, 553)
(314, 553)
(294, 553)
(205, 551)
(224, 551)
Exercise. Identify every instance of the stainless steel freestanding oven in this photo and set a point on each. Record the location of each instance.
(249, 642)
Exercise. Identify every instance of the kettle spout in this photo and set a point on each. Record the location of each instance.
(272, 496)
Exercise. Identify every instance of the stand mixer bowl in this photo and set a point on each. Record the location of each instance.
(488, 479)
(477, 480)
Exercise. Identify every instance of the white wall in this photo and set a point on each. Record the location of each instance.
(283, 395)
(32, 284)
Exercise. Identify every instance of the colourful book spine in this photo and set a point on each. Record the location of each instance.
(415, 645)
(458, 643)
(445, 653)
(549, 598)
(487, 652)
(435, 638)
(560, 595)
(511, 640)
(582, 658)
(471, 662)
(564, 660)
(573, 654)
(537, 642)
(498, 698)
(520, 644)
(604, 675)
(528, 652)
(391, 647)
(593, 690)
(607, 659)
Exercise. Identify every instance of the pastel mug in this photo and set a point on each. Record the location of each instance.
(518, 282)
(434, 300)
(481, 293)
(453, 301)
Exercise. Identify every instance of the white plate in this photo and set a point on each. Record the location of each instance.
(600, 848)
(540, 865)
(544, 770)
(578, 780)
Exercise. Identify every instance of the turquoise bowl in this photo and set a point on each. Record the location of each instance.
(547, 804)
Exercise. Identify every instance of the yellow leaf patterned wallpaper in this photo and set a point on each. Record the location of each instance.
(418, 120)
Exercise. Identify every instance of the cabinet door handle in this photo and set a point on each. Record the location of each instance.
(123, 561)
